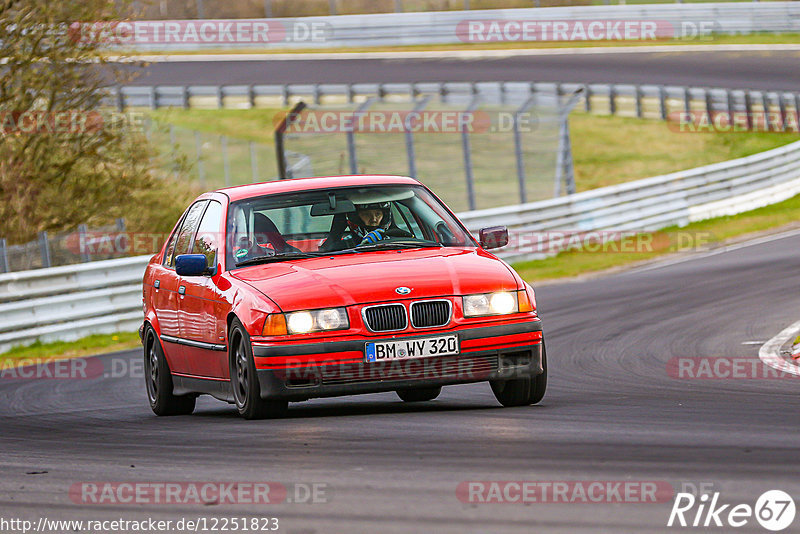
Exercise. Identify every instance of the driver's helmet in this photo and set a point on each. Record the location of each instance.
(362, 227)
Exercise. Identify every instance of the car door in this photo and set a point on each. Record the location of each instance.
(201, 328)
(170, 295)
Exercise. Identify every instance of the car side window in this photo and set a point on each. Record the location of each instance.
(406, 220)
(183, 242)
(207, 240)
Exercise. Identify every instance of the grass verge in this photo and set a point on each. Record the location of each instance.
(57, 350)
(700, 234)
(755, 38)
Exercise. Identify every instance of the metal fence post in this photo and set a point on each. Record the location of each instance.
(730, 103)
(638, 90)
(612, 99)
(4, 256)
(398, 6)
(153, 97)
(253, 163)
(121, 224)
(662, 102)
(351, 136)
(251, 95)
(523, 193)
(201, 170)
(268, 9)
(709, 102)
(44, 249)
(120, 99)
(201, 13)
(587, 99)
(220, 98)
(185, 97)
(84, 251)
(409, 135)
(225, 163)
(331, 7)
(687, 100)
(782, 107)
(765, 106)
(748, 109)
(465, 147)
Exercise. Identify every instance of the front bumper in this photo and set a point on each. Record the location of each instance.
(303, 371)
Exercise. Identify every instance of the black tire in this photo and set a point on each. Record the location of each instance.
(158, 380)
(244, 380)
(522, 391)
(419, 394)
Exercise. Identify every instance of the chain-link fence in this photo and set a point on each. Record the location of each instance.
(474, 152)
(216, 160)
(66, 248)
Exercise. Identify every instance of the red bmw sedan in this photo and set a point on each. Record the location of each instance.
(284, 291)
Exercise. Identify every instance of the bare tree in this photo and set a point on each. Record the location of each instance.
(64, 158)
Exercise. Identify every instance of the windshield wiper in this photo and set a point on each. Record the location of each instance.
(279, 257)
(389, 245)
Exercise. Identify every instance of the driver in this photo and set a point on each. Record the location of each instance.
(370, 222)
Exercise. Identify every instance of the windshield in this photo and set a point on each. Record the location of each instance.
(338, 221)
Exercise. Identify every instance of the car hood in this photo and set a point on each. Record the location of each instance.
(368, 277)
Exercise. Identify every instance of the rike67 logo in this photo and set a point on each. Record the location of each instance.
(774, 510)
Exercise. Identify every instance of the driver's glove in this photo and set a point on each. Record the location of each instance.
(373, 237)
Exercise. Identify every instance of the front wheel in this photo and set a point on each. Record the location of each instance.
(522, 391)
(419, 394)
(158, 379)
(244, 380)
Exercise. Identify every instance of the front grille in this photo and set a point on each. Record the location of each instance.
(461, 367)
(430, 313)
(386, 318)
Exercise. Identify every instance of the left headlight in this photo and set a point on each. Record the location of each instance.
(303, 322)
(498, 303)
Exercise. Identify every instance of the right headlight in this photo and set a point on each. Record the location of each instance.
(497, 303)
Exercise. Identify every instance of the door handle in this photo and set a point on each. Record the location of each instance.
(157, 284)
(182, 290)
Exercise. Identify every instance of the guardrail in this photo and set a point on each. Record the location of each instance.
(70, 302)
(635, 100)
(73, 301)
(688, 21)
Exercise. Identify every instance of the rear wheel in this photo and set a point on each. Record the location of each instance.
(158, 379)
(244, 379)
(522, 391)
(419, 394)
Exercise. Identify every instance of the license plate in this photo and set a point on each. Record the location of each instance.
(405, 349)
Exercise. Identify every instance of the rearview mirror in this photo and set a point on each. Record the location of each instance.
(494, 237)
(332, 207)
(191, 265)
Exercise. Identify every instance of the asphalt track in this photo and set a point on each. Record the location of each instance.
(612, 413)
(773, 70)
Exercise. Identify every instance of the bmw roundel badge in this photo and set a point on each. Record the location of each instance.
(403, 290)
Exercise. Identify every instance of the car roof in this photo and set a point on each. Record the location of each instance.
(305, 184)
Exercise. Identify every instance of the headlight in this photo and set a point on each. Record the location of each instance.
(499, 303)
(303, 322)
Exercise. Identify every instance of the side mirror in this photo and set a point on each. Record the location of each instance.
(494, 237)
(191, 265)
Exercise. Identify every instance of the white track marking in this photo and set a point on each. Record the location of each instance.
(721, 250)
(769, 353)
(318, 55)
